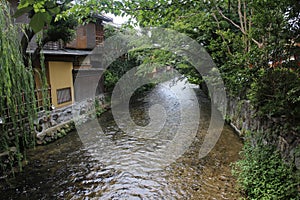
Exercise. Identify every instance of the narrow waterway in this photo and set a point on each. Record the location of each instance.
(118, 165)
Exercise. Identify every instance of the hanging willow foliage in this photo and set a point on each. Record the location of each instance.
(18, 108)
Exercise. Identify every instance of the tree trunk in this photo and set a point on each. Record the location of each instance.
(26, 38)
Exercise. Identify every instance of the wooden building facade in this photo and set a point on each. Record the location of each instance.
(64, 61)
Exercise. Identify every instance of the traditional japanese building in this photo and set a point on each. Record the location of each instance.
(64, 60)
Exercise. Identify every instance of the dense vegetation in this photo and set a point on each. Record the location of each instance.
(255, 46)
(263, 175)
(252, 43)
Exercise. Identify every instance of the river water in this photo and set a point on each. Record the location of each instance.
(117, 164)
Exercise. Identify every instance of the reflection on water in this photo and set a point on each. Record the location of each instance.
(119, 165)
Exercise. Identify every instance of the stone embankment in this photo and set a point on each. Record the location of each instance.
(242, 117)
(58, 122)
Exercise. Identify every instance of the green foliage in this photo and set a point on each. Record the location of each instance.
(41, 12)
(44, 22)
(276, 92)
(82, 9)
(115, 71)
(110, 80)
(189, 72)
(263, 175)
(237, 79)
(44, 84)
(98, 108)
(242, 37)
(17, 98)
(62, 29)
(239, 35)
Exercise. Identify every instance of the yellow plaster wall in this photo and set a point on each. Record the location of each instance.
(60, 76)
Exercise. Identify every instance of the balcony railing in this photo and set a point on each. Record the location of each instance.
(57, 45)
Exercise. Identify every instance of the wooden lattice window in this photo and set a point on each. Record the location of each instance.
(63, 95)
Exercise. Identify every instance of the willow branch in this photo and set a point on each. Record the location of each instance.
(36, 54)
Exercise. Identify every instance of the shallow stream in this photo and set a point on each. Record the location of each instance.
(118, 165)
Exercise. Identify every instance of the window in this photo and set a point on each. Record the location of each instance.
(63, 95)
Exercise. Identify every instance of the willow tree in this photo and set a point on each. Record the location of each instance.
(17, 98)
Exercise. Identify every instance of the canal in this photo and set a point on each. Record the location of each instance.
(118, 165)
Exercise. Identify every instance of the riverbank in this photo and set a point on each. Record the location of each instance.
(271, 143)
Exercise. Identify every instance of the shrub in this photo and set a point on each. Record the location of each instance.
(98, 108)
(276, 92)
(115, 71)
(262, 174)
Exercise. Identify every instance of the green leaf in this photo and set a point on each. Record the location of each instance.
(23, 4)
(37, 22)
(55, 10)
(47, 17)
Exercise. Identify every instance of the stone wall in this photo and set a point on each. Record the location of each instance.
(56, 123)
(242, 117)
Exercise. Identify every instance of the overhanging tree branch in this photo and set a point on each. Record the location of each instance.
(222, 36)
(241, 17)
(259, 44)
